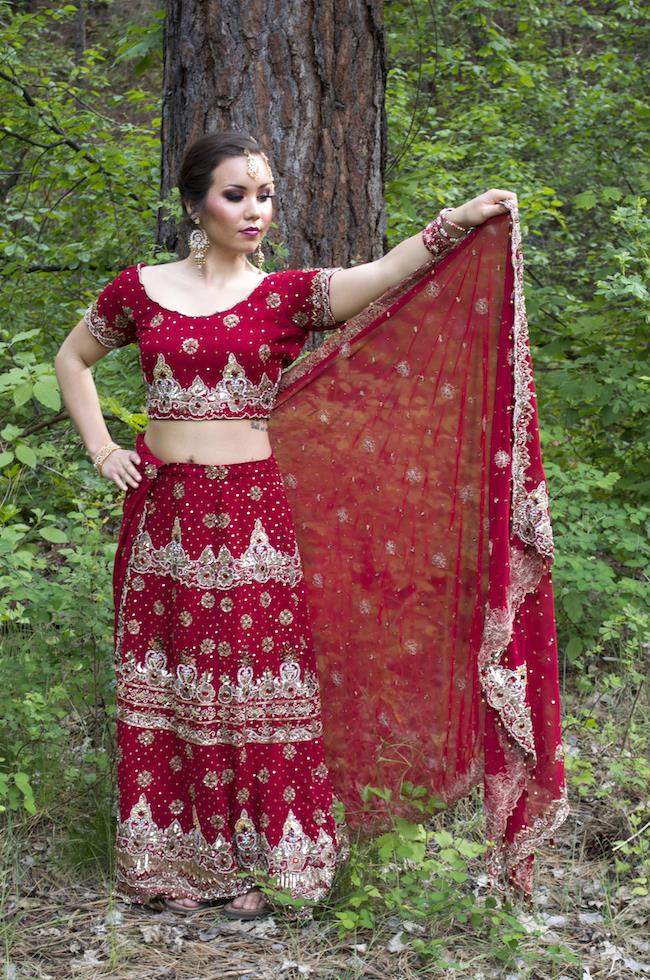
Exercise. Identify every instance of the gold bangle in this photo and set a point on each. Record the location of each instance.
(452, 224)
(103, 455)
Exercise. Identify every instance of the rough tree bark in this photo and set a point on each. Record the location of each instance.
(306, 79)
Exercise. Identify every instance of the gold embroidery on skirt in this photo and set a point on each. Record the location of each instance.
(258, 563)
(269, 708)
(156, 860)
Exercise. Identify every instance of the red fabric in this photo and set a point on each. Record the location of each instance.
(410, 451)
(221, 770)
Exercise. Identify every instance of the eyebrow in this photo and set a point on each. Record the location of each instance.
(242, 188)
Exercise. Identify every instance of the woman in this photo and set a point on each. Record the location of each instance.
(221, 770)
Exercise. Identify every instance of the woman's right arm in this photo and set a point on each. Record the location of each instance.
(74, 359)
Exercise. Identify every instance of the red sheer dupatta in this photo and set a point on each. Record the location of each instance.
(410, 451)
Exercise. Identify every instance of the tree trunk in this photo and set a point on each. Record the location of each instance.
(80, 42)
(307, 80)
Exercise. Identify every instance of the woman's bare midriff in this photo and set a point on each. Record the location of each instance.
(215, 442)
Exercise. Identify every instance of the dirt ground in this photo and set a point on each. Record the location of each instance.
(57, 928)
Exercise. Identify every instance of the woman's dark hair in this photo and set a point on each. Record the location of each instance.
(202, 156)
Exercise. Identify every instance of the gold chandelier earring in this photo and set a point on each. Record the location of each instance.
(259, 257)
(199, 243)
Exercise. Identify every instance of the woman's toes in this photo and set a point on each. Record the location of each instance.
(251, 901)
(255, 901)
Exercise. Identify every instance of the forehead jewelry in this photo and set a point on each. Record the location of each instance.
(252, 166)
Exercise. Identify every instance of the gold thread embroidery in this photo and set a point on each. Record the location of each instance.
(234, 394)
(98, 325)
(152, 859)
(258, 563)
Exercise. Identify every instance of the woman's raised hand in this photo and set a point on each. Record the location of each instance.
(480, 208)
(120, 467)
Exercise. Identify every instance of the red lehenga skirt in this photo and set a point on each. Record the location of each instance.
(221, 771)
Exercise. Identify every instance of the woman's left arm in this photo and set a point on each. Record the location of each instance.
(351, 290)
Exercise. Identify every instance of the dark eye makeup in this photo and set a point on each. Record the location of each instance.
(233, 196)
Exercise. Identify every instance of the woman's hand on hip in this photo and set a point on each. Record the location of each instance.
(479, 209)
(120, 467)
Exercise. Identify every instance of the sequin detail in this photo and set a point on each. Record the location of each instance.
(233, 396)
(107, 333)
(260, 562)
(157, 859)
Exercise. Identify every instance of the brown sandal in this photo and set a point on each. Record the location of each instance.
(175, 906)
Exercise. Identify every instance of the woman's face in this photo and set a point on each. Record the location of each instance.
(235, 202)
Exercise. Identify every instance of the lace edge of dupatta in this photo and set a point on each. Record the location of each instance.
(504, 689)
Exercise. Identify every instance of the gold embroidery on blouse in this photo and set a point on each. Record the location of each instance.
(273, 300)
(100, 329)
(231, 320)
(216, 520)
(156, 320)
(260, 562)
(319, 298)
(234, 394)
(190, 345)
(300, 318)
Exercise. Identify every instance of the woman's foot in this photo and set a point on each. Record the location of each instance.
(252, 905)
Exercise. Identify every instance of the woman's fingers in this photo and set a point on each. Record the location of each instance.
(120, 467)
(487, 205)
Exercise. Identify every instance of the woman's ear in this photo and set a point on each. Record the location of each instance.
(189, 210)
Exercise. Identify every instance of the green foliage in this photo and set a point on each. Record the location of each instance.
(423, 881)
(80, 147)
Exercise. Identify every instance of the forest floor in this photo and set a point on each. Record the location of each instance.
(589, 920)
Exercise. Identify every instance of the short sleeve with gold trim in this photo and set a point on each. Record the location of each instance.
(310, 297)
(110, 318)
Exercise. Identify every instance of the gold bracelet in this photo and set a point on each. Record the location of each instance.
(103, 455)
(452, 224)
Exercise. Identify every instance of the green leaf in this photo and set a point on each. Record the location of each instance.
(22, 393)
(47, 392)
(53, 534)
(573, 606)
(25, 454)
(573, 649)
(21, 780)
(585, 200)
(6, 458)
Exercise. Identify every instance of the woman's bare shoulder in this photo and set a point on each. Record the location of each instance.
(165, 270)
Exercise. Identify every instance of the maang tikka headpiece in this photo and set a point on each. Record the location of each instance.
(252, 166)
(252, 169)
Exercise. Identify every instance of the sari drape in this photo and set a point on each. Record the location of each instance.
(410, 450)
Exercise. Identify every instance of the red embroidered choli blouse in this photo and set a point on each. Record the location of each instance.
(225, 365)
